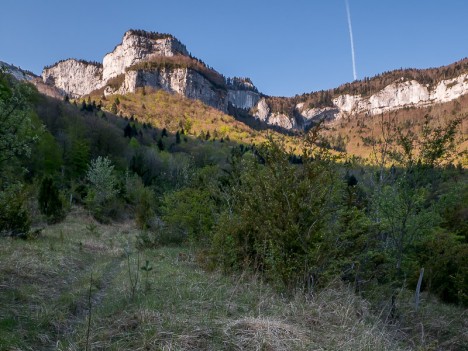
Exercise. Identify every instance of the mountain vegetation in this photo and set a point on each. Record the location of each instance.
(250, 240)
(150, 35)
(161, 109)
(84, 62)
(351, 134)
(368, 86)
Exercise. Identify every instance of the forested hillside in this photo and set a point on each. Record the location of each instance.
(298, 221)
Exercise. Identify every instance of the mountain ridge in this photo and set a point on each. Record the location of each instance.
(161, 61)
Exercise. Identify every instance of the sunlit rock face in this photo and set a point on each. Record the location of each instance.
(242, 93)
(136, 48)
(398, 95)
(73, 77)
(77, 78)
(183, 81)
(263, 113)
(126, 69)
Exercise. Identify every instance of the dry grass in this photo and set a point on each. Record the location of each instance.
(265, 334)
(44, 288)
(435, 326)
(43, 283)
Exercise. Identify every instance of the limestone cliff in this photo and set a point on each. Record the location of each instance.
(400, 94)
(149, 59)
(242, 94)
(160, 61)
(30, 77)
(74, 77)
(263, 113)
(183, 81)
(403, 94)
(138, 46)
(17, 72)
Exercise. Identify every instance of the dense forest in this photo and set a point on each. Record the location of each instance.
(298, 220)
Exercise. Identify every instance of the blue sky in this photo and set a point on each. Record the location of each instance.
(285, 47)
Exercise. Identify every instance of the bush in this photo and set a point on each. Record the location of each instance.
(141, 199)
(188, 214)
(282, 219)
(445, 258)
(14, 215)
(158, 235)
(101, 197)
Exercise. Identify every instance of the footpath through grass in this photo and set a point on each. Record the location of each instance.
(175, 305)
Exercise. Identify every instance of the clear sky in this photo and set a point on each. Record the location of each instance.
(285, 47)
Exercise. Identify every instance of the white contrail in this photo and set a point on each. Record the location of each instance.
(352, 40)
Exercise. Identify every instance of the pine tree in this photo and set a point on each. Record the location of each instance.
(49, 200)
(128, 131)
(113, 108)
(160, 145)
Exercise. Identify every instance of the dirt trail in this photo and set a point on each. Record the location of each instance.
(80, 313)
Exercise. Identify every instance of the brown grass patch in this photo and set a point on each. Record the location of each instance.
(264, 334)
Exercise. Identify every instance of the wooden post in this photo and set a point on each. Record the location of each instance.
(418, 288)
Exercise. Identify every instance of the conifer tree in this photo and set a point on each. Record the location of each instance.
(49, 200)
(114, 108)
(160, 145)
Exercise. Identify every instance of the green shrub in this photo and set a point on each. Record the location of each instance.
(188, 214)
(102, 195)
(445, 258)
(144, 208)
(281, 219)
(141, 199)
(14, 215)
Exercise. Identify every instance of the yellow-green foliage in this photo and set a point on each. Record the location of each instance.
(175, 112)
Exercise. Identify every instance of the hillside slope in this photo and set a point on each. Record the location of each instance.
(81, 272)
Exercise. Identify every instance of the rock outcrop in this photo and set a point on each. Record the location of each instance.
(30, 77)
(74, 77)
(124, 71)
(179, 80)
(17, 72)
(404, 94)
(138, 46)
(242, 94)
(398, 95)
(263, 113)
(160, 61)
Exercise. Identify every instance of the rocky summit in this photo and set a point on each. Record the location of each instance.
(160, 61)
(146, 59)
